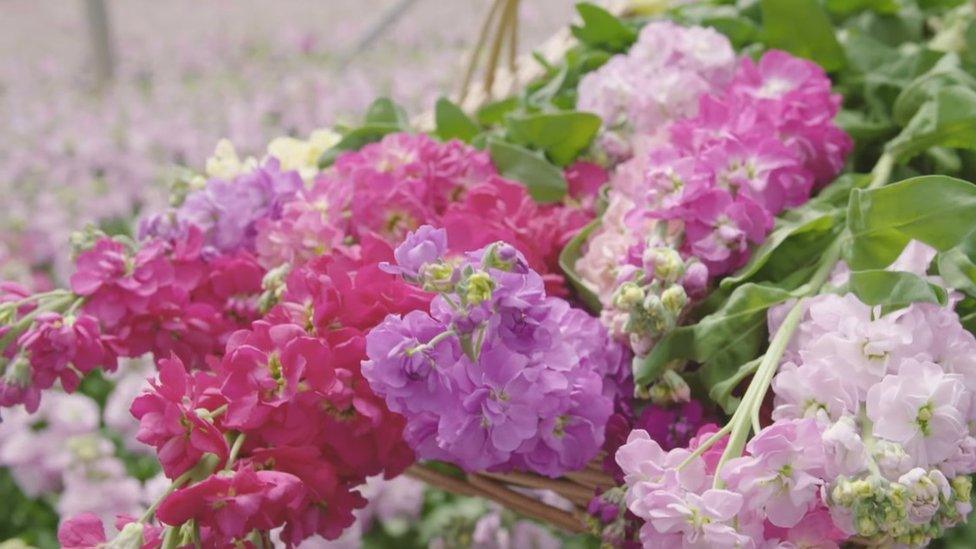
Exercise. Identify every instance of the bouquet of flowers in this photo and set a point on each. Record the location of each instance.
(690, 287)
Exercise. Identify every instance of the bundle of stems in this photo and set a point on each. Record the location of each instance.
(514, 491)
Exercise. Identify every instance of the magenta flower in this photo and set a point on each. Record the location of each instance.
(168, 420)
(232, 504)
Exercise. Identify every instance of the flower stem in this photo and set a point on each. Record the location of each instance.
(178, 482)
(430, 344)
(235, 450)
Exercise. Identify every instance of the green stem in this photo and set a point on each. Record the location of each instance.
(217, 412)
(432, 343)
(179, 481)
(882, 171)
(234, 450)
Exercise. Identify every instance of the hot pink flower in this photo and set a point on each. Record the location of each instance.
(84, 531)
(60, 348)
(231, 504)
(168, 419)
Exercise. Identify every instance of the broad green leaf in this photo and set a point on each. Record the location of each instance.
(934, 209)
(567, 262)
(382, 117)
(383, 111)
(562, 136)
(452, 123)
(544, 181)
(600, 29)
(494, 113)
(846, 7)
(894, 289)
(728, 20)
(792, 242)
(948, 120)
(721, 342)
(802, 28)
(947, 72)
(958, 265)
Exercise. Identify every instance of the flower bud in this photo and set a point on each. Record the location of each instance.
(129, 538)
(628, 295)
(669, 389)
(438, 277)
(478, 288)
(665, 263)
(674, 299)
(924, 492)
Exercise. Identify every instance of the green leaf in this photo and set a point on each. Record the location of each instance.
(382, 117)
(494, 113)
(801, 27)
(800, 236)
(544, 181)
(740, 29)
(567, 262)
(948, 120)
(958, 265)
(452, 123)
(894, 289)
(934, 209)
(600, 29)
(384, 111)
(803, 235)
(946, 72)
(562, 136)
(846, 7)
(721, 342)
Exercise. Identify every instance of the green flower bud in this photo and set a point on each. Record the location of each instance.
(129, 538)
(478, 288)
(628, 295)
(674, 299)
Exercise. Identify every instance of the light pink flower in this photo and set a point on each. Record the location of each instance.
(922, 408)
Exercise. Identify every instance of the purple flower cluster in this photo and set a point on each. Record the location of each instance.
(227, 211)
(497, 375)
(692, 207)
